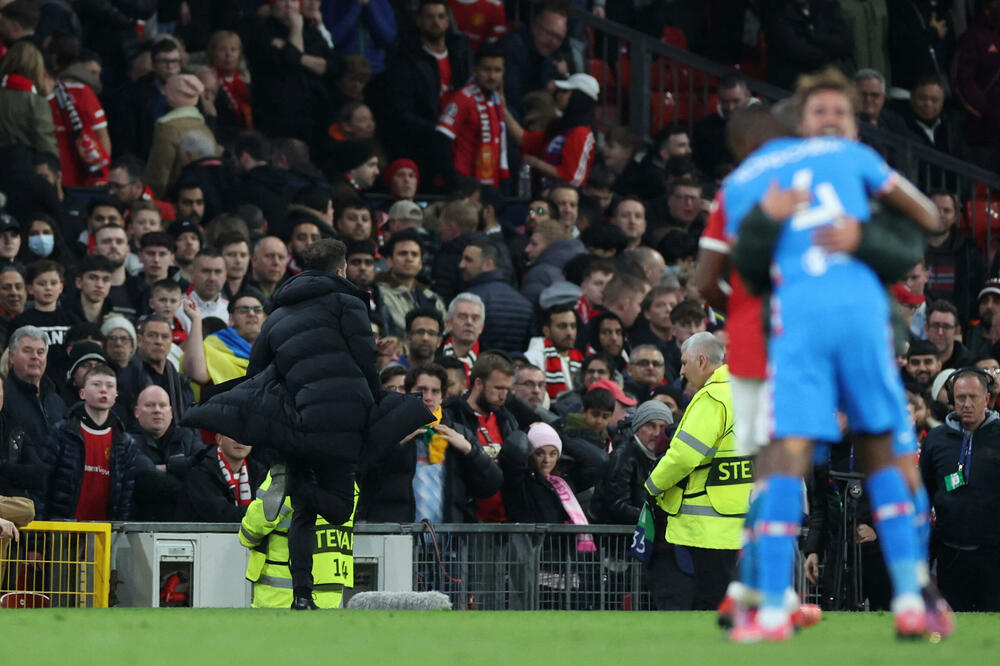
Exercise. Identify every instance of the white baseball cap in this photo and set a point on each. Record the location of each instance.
(585, 83)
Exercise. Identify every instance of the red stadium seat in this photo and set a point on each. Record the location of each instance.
(982, 216)
(675, 37)
(601, 71)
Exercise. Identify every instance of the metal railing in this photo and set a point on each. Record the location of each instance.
(59, 564)
(648, 84)
(524, 566)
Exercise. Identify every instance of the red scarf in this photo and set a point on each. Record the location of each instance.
(585, 309)
(555, 372)
(238, 484)
(468, 360)
(492, 152)
(18, 82)
(238, 92)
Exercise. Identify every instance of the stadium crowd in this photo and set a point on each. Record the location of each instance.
(527, 270)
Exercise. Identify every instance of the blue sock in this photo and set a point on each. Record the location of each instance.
(749, 560)
(922, 521)
(777, 527)
(892, 508)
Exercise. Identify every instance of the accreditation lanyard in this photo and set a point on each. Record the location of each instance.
(965, 458)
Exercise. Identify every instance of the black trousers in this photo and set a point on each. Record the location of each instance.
(969, 579)
(674, 589)
(317, 488)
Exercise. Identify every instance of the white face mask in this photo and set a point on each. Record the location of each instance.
(42, 244)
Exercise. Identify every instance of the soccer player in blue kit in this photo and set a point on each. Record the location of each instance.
(830, 347)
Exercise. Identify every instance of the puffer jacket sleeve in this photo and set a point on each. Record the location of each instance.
(126, 471)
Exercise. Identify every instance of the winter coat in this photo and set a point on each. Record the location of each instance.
(266, 187)
(399, 300)
(387, 485)
(967, 515)
(976, 65)
(915, 48)
(549, 266)
(798, 43)
(311, 381)
(619, 496)
(970, 274)
(510, 317)
(22, 473)
(138, 374)
(366, 29)
(445, 274)
(25, 118)
(164, 165)
(528, 497)
(64, 453)
(206, 497)
(176, 445)
(157, 492)
(37, 414)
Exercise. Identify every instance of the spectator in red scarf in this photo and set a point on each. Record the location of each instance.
(225, 56)
(25, 117)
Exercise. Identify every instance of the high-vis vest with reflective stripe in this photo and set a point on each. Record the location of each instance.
(701, 481)
(333, 559)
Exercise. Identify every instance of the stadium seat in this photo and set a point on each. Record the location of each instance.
(675, 37)
(601, 71)
(623, 71)
(24, 600)
(670, 109)
(982, 215)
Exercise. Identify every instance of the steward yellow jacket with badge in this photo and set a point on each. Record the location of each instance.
(701, 482)
(333, 559)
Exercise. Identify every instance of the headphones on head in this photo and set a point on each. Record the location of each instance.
(981, 374)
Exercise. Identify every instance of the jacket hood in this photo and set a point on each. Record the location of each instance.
(79, 72)
(78, 411)
(952, 420)
(313, 284)
(561, 251)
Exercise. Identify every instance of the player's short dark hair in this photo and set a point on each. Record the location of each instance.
(227, 238)
(131, 165)
(489, 250)
(104, 202)
(603, 357)
(604, 236)
(389, 372)
(100, 369)
(432, 369)
(95, 262)
(326, 255)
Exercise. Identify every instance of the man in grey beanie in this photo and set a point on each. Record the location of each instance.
(649, 411)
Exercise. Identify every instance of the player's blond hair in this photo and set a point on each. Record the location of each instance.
(830, 78)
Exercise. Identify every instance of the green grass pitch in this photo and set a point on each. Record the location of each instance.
(179, 637)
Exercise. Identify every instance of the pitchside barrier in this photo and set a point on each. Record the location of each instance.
(479, 566)
(56, 564)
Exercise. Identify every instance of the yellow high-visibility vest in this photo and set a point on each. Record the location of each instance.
(701, 482)
(333, 555)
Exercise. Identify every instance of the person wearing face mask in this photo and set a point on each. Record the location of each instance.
(44, 242)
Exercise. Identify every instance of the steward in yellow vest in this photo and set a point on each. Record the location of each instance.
(701, 482)
(333, 559)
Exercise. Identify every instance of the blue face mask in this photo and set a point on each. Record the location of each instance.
(42, 244)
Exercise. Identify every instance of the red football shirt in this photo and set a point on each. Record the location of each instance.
(74, 172)
(490, 510)
(95, 490)
(747, 352)
(481, 20)
(572, 153)
(473, 120)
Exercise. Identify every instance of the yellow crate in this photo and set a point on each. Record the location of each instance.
(69, 563)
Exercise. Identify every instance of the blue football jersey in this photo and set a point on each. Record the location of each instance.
(842, 176)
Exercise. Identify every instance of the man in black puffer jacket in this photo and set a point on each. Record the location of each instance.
(311, 385)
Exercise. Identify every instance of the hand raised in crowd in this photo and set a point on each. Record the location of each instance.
(191, 309)
(454, 438)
